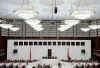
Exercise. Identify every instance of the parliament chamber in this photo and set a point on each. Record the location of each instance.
(49, 34)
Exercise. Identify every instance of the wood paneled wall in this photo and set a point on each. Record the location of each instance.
(3, 48)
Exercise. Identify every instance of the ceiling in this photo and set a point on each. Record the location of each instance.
(45, 8)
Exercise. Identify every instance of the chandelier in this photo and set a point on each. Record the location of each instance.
(26, 13)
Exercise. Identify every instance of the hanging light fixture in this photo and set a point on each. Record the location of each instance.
(32, 21)
(6, 26)
(91, 27)
(94, 27)
(68, 24)
(26, 13)
(39, 28)
(35, 23)
(9, 26)
(83, 14)
(1, 20)
(85, 29)
(71, 22)
(50, 2)
(64, 27)
(55, 8)
(14, 28)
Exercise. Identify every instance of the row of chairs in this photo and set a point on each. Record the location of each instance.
(11, 66)
(24, 65)
(19, 65)
(87, 66)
